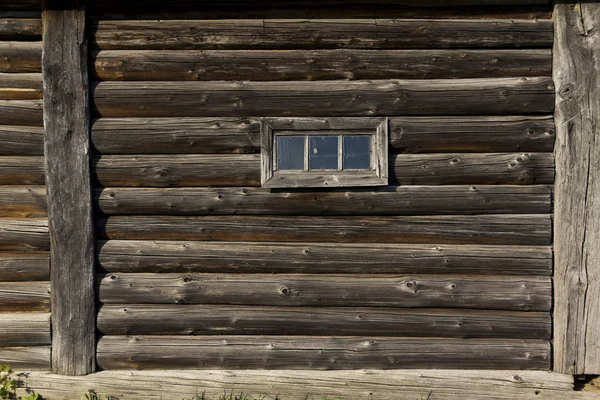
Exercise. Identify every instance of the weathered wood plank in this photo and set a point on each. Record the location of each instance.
(320, 258)
(21, 112)
(67, 162)
(23, 201)
(24, 29)
(479, 229)
(30, 329)
(577, 223)
(16, 170)
(244, 170)
(36, 357)
(24, 267)
(21, 140)
(20, 86)
(285, 34)
(148, 352)
(24, 296)
(495, 96)
(525, 293)
(134, 319)
(298, 65)
(28, 234)
(20, 56)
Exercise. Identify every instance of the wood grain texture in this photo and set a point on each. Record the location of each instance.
(67, 165)
(17, 170)
(30, 266)
(24, 296)
(20, 56)
(498, 96)
(21, 140)
(23, 202)
(21, 112)
(288, 34)
(116, 256)
(27, 234)
(32, 357)
(23, 29)
(451, 291)
(577, 223)
(27, 329)
(481, 229)
(298, 65)
(16, 86)
(134, 319)
(318, 353)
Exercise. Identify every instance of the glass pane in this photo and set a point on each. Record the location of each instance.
(290, 153)
(357, 152)
(323, 152)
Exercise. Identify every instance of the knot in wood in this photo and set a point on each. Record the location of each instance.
(187, 279)
(163, 172)
(284, 290)
(566, 92)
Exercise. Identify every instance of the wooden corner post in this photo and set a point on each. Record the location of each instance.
(577, 199)
(67, 151)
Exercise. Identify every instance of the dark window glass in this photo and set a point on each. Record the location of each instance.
(323, 152)
(290, 153)
(357, 152)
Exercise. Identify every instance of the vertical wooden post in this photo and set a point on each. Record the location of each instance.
(67, 151)
(577, 201)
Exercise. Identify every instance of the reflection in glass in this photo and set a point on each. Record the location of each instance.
(323, 152)
(290, 153)
(357, 152)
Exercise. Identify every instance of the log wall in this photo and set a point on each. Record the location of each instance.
(24, 240)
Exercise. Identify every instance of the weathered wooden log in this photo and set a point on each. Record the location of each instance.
(21, 112)
(30, 266)
(20, 86)
(287, 34)
(29, 234)
(116, 256)
(30, 329)
(23, 201)
(298, 65)
(480, 229)
(296, 352)
(137, 319)
(495, 96)
(526, 293)
(24, 29)
(36, 357)
(15, 170)
(21, 140)
(24, 296)
(390, 200)
(20, 56)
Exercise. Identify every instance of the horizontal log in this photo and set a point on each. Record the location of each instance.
(16, 170)
(36, 357)
(24, 296)
(30, 234)
(24, 266)
(25, 29)
(526, 293)
(20, 57)
(28, 329)
(239, 320)
(480, 229)
(21, 5)
(298, 65)
(23, 201)
(494, 96)
(241, 135)
(20, 86)
(163, 352)
(21, 112)
(21, 140)
(116, 256)
(389, 200)
(287, 34)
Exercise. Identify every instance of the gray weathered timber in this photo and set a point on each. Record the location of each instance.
(20, 56)
(22, 201)
(27, 234)
(67, 150)
(29, 266)
(577, 222)
(32, 357)
(318, 353)
(298, 65)
(519, 293)
(116, 256)
(479, 229)
(24, 296)
(15, 86)
(25, 29)
(390, 200)
(21, 140)
(26, 329)
(284, 34)
(244, 170)
(494, 96)
(17, 170)
(21, 112)
(134, 319)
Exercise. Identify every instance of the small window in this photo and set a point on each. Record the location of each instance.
(324, 152)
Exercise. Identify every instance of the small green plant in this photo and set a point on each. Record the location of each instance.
(9, 385)
(92, 395)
